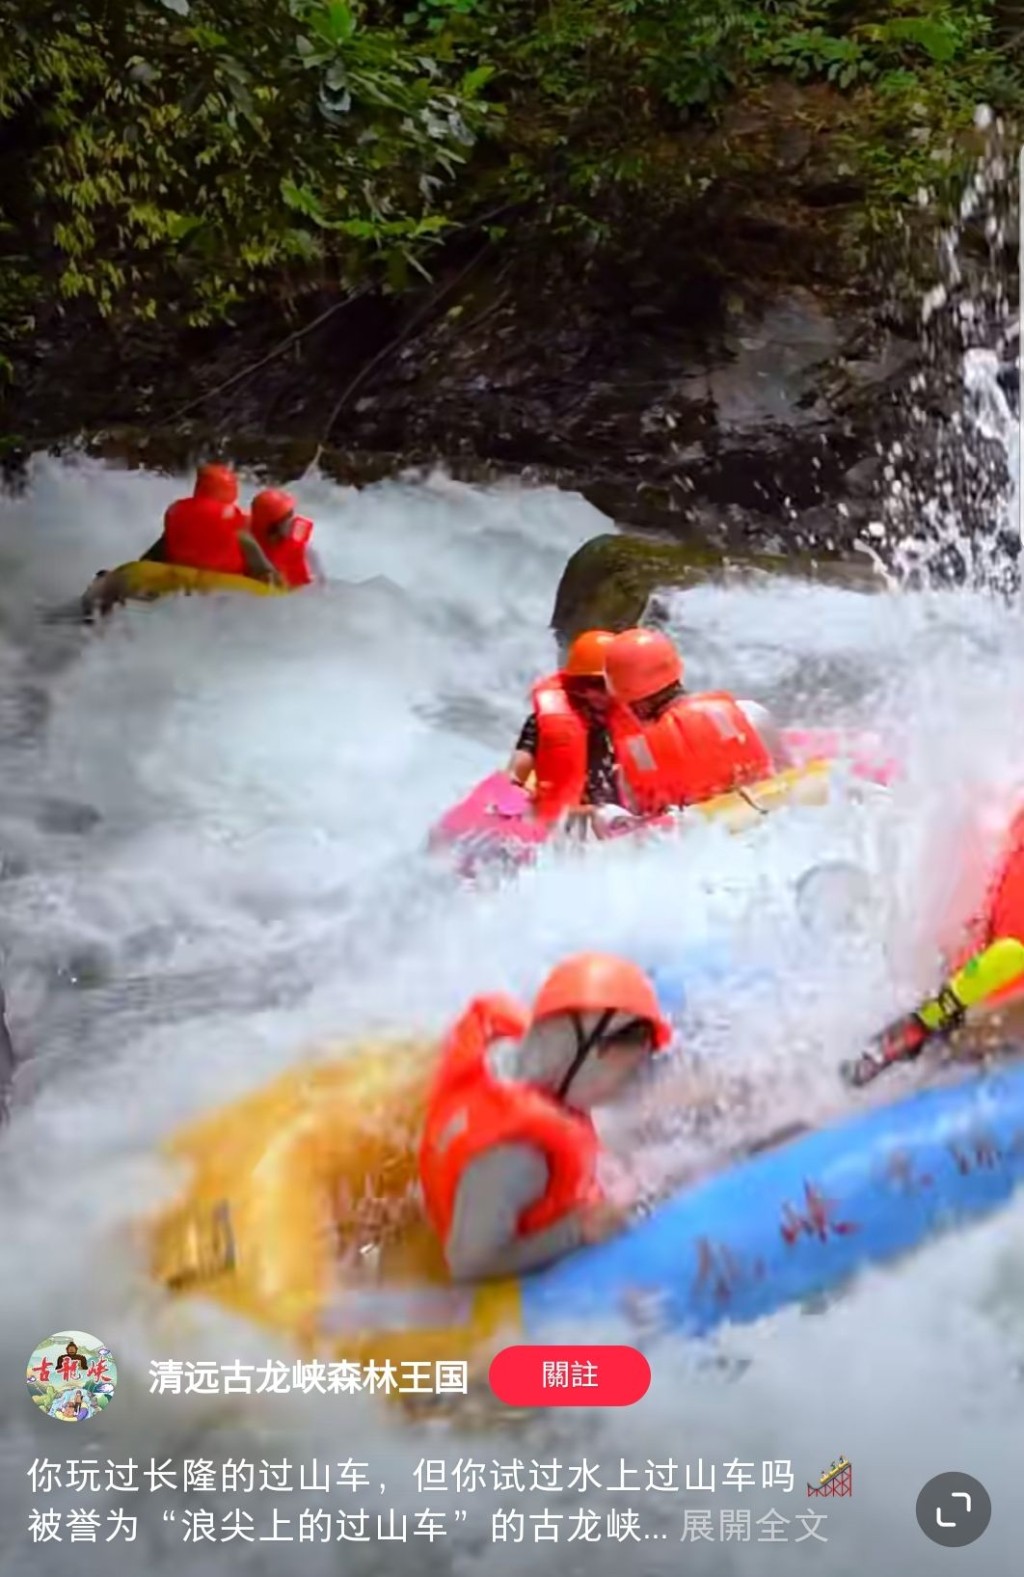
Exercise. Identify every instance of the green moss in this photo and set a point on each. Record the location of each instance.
(609, 581)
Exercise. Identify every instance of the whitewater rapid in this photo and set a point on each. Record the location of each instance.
(212, 822)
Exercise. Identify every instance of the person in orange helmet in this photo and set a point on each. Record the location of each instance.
(565, 741)
(211, 531)
(208, 531)
(509, 1155)
(284, 537)
(677, 749)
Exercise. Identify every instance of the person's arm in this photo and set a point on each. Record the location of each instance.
(484, 1242)
(257, 565)
(522, 758)
(316, 569)
(104, 593)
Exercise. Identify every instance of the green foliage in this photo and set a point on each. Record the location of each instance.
(612, 104)
(188, 150)
(914, 36)
(175, 156)
(438, 16)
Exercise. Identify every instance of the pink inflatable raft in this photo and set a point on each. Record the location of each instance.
(865, 754)
(493, 824)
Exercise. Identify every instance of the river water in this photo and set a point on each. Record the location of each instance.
(212, 818)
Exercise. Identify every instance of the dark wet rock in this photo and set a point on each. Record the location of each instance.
(85, 968)
(728, 430)
(66, 816)
(610, 583)
(707, 413)
(14, 864)
(861, 480)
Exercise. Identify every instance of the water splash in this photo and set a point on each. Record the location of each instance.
(948, 510)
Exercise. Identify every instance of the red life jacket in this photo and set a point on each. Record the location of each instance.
(560, 765)
(1003, 911)
(470, 1112)
(702, 745)
(289, 556)
(200, 533)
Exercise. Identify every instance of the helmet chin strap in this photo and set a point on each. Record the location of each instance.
(584, 1046)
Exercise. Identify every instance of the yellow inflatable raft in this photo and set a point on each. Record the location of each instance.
(144, 581)
(742, 808)
(807, 785)
(302, 1214)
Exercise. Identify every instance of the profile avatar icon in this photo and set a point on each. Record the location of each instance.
(71, 1376)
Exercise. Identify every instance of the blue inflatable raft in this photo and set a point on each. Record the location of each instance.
(792, 1223)
(799, 1221)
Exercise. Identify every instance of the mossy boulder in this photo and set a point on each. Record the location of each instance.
(609, 581)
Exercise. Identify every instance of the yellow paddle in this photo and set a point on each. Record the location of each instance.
(981, 977)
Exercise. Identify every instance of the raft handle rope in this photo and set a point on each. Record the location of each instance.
(745, 794)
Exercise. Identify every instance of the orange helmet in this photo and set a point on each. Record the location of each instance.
(600, 982)
(640, 663)
(586, 655)
(218, 482)
(270, 508)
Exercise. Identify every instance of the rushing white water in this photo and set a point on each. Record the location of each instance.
(212, 824)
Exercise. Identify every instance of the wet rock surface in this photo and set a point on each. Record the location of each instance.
(747, 429)
(612, 581)
(729, 439)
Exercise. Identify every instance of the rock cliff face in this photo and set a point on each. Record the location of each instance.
(742, 419)
(744, 432)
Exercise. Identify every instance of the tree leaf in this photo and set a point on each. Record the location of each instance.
(931, 34)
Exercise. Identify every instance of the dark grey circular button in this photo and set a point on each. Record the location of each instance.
(953, 1509)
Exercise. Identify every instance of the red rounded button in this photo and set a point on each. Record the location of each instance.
(569, 1376)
